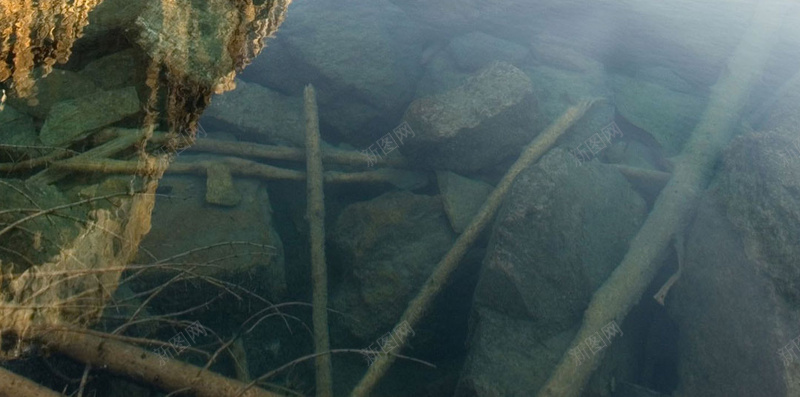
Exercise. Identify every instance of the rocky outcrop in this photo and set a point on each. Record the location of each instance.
(560, 233)
(476, 50)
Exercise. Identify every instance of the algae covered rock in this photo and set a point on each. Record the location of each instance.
(391, 245)
(475, 125)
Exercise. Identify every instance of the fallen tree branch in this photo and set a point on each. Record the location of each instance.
(671, 212)
(240, 167)
(269, 152)
(417, 307)
(144, 366)
(13, 385)
(316, 225)
(126, 138)
(661, 295)
(27, 165)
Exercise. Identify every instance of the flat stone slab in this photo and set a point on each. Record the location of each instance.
(219, 187)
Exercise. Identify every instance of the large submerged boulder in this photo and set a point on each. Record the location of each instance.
(257, 113)
(562, 230)
(489, 117)
(737, 302)
(236, 244)
(317, 44)
(391, 245)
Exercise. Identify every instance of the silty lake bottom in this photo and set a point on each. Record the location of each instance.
(399, 198)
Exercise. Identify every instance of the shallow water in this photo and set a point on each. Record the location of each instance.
(519, 198)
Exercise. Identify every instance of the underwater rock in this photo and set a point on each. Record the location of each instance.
(117, 70)
(557, 89)
(71, 119)
(731, 322)
(665, 77)
(476, 50)
(737, 300)
(113, 15)
(556, 52)
(390, 244)
(182, 221)
(441, 74)
(16, 127)
(60, 85)
(626, 32)
(783, 111)
(258, 113)
(562, 230)
(316, 45)
(668, 115)
(42, 237)
(462, 198)
(489, 117)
